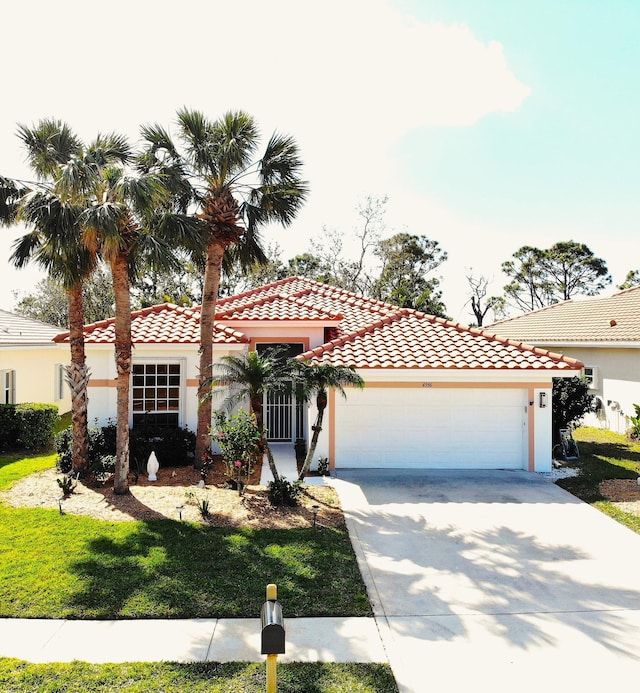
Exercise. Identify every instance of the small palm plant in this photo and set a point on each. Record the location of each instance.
(315, 379)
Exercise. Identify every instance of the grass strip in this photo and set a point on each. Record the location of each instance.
(17, 465)
(604, 455)
(209, 677)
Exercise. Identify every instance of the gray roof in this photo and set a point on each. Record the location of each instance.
(16, 330)
(600, 319)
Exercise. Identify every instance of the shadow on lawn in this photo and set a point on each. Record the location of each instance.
(168, 569)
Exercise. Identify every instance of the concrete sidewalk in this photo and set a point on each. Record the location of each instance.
(196, 640)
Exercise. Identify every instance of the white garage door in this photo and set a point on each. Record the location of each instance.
(432, 428)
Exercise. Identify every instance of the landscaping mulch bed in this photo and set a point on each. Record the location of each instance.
(176, 493)
(625, 493)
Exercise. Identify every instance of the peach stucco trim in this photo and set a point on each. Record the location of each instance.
(103, 382)
(332, 430)
(450, 384)
(531, 430)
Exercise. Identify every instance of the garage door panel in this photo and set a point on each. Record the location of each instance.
(431, 428)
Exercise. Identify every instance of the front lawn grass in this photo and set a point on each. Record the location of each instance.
(63, 566)
(209, 677)
(603, 455)
(16, 465)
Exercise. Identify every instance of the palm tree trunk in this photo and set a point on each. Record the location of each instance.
(77, 379)
(272, 462)
(215, 253)
(120, 275)
(317, 427)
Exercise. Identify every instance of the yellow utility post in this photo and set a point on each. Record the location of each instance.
(272, 635)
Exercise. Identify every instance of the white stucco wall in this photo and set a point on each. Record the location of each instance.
(618, 381)
(36, 373)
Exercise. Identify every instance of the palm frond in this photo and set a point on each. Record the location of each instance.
(180, 230)
(195, 130)
(235, 140)
(50, 143)
(276, 202)
(24, 249)
(110, 148)
(11, 192)
(281, 160)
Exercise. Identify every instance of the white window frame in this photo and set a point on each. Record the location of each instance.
(8, 386)
(590, 373)
(182, 362)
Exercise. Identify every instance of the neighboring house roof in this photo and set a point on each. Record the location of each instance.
(600, 319)
(360, 332)
(18, 330)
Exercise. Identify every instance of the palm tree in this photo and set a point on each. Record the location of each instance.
(314, 379)
(133, 228)
(236, 195)
(251, 376)
(52, 209)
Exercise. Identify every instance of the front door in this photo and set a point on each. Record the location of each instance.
(284, 417)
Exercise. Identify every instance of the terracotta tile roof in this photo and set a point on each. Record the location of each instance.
(607, 319)
(274, 307)
(162, 324)
(363, 332)
(410, 339)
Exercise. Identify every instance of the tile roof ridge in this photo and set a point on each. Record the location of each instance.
(536, 311)
(296, 297)
(344, 339)
(622, 292)
(147, 310)
(261, 288)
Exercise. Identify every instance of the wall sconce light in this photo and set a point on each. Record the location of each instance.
(543, 400)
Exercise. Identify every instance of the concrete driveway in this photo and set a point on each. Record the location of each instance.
(496, 581)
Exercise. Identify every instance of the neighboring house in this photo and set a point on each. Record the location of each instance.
(31, 363)
(604, 333)
(437, 394)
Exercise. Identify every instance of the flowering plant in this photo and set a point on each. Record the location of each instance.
(238, 437)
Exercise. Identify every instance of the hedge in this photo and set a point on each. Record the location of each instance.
(27, 426)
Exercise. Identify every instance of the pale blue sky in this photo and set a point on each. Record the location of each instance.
(489, 124)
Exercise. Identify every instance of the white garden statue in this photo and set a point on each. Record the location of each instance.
(152, 467)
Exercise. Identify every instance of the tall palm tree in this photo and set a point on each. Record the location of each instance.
(51, 208)
(314, 379)
(251, 376)
(235, 195)
(132, 227)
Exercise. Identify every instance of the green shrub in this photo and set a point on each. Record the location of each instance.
(323, 466)
(103, 467)
(27, 426)
(173, 447)
(8, 426)
(101, 444)
(238, 437)
(283, 492)
(570, 402)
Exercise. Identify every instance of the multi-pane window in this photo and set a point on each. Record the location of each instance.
(8, 382)
(591, 376)
(156, 394)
